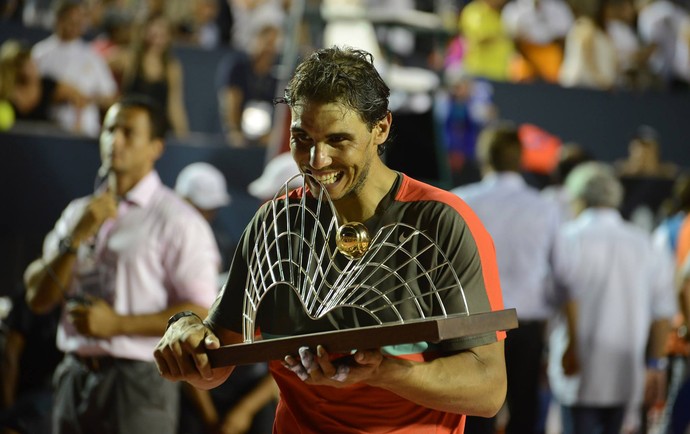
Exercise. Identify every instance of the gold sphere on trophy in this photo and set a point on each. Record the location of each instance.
(352, 240)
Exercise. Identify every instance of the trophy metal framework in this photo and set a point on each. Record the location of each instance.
(389, 278)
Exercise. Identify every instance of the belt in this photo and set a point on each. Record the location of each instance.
(95, 363)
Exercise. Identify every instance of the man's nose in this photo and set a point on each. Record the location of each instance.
(319, 156)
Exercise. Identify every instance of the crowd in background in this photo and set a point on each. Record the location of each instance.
(99, 51)
(607, 44)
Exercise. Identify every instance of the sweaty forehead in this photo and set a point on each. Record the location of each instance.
(322, 115)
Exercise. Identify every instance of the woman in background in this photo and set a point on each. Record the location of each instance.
(155, 71)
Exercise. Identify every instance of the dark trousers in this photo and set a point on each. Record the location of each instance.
(113, 396)
(524, 349)
(592, 420)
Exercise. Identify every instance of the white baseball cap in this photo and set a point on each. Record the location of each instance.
(203, 185)
(274, 176)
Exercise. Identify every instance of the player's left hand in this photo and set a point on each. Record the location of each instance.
(319, 369)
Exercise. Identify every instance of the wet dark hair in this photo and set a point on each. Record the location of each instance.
(156, 114)
(342, 75)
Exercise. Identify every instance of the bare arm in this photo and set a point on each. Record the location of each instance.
(480, 390)
(231, 109)
(176, 108)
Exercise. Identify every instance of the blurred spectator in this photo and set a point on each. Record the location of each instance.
(204, 186)
(178, 13)
(489, 49)
(523, 226)
(249, 16)
(665, 26)
(30, 95)
(633, 56)
(618, 297)
(113, 42)
(248, 83)
(538, 28)
(38, 13)
(28, 360)
(647, 179)
(590, 58)
(680, 417)
(154, 71)
(673, 210)
(462, 110)
(644, 156)
(665, 236)
(65, 57)
(204, 29)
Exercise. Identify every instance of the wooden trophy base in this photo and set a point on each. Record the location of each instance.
(344, 341)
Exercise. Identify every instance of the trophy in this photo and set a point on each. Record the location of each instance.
(395, 287)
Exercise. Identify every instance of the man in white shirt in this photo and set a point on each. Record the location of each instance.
(618, 297)
(523, 225)
(65, 57)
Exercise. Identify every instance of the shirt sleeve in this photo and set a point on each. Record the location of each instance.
(193, 263)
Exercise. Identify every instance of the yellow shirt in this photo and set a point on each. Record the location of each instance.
(489, 48)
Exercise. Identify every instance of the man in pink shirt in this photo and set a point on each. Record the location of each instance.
(120, 262)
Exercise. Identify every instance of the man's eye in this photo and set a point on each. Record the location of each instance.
(301, 140)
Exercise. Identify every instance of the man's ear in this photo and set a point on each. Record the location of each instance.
(158, 146)
(383, 128)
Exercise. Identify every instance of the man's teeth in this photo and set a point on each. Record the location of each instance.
(327, 179)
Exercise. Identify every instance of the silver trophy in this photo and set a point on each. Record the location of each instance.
(386, 282)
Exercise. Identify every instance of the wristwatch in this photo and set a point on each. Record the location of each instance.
(180, 315)
(67, 246)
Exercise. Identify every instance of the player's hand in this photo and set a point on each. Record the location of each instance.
(182, 352)
(319, 369)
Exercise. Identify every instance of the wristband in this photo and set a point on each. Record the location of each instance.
(659, 364)
(179, 315)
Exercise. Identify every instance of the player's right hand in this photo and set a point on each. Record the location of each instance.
(182, 354)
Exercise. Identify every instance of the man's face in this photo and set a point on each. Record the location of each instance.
(126, 144)
(71, 25)
(333, 144)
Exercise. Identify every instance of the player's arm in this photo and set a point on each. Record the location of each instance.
(471, 382)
